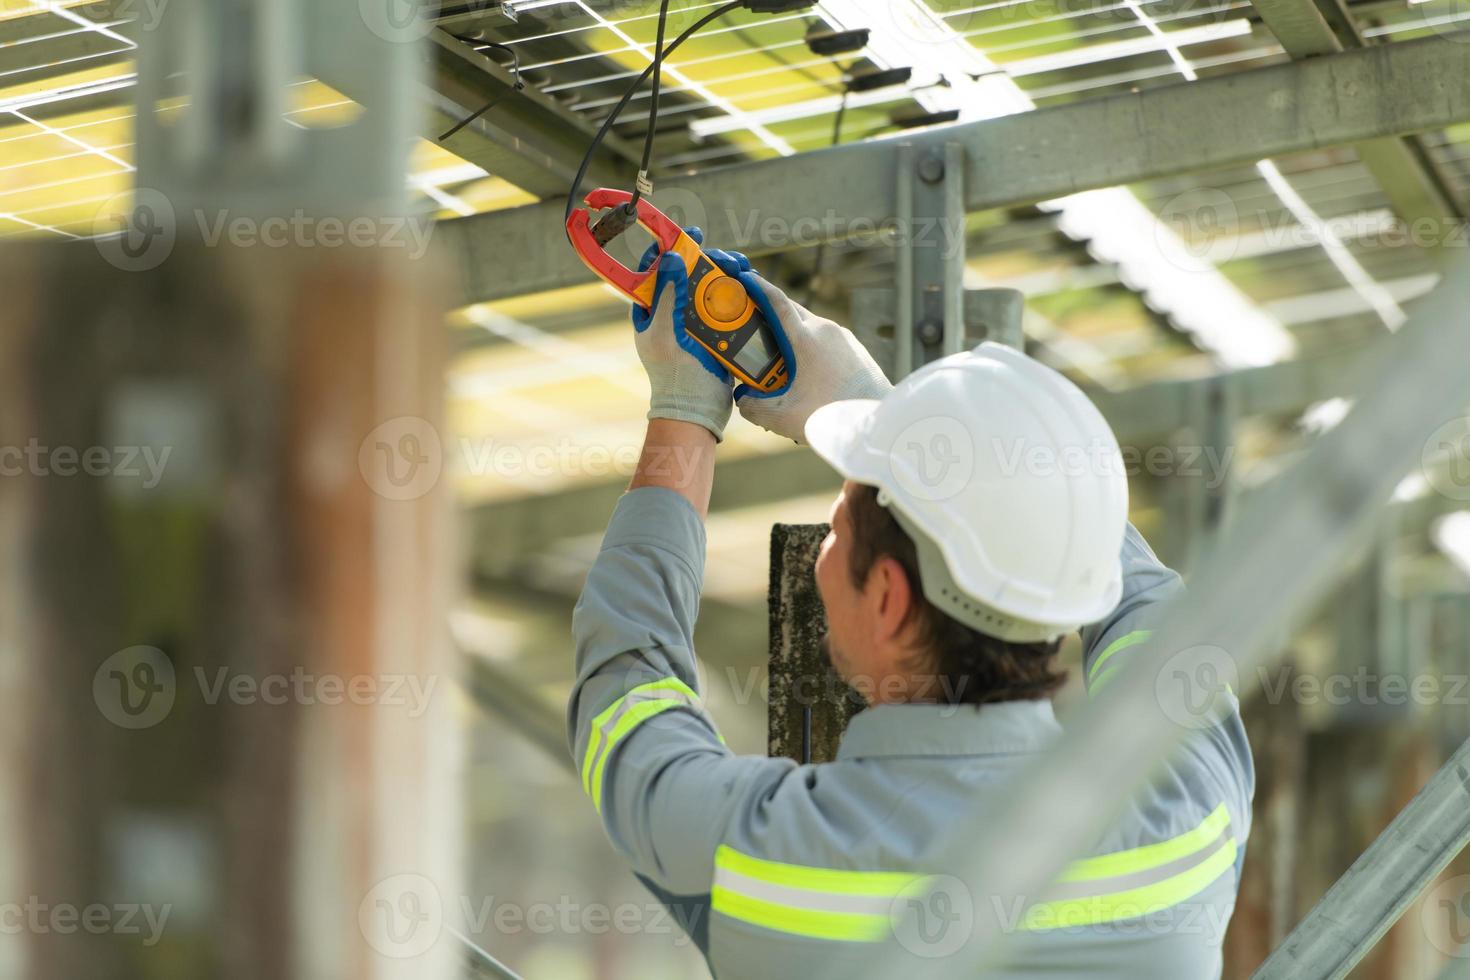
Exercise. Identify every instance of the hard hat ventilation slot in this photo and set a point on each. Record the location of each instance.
(956, 599)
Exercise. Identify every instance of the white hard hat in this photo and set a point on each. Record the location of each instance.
(1008, 479)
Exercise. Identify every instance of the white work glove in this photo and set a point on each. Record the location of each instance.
(687, 384)
(829, 365)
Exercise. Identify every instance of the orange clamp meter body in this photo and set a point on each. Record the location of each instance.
(721, 316)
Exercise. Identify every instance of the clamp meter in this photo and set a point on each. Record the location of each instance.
(721, 317)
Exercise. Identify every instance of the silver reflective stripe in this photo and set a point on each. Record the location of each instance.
(801, 898)
(603, 734)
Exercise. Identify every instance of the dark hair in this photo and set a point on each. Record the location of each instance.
(968, 667)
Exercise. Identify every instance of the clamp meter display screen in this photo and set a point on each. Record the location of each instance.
(757, 354)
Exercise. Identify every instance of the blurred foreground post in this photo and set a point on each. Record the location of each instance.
(222, 507)
(226, 679)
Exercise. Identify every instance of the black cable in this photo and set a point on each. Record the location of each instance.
(515, 67)
(607, 124)
(658, 72)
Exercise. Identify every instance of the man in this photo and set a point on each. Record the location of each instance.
(965, 542)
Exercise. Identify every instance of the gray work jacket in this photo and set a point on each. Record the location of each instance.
(784, 870)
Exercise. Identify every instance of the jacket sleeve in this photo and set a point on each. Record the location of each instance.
(648, 753)
(1215, 764)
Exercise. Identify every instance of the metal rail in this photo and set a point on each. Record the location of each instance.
(1394, 870)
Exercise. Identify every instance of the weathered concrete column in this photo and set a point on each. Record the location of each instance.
(810, 706)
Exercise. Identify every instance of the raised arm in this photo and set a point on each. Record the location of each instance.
(650, 757)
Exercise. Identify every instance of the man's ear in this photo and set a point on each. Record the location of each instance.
(892, 597)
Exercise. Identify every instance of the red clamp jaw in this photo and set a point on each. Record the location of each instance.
(637, 286)
(721, 317)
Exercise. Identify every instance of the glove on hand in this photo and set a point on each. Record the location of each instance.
(826, 362)
(687, 383)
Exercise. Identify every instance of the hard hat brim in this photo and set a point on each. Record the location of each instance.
(836, 433)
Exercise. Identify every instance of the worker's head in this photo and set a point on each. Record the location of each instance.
(890, 642)
(982, 518)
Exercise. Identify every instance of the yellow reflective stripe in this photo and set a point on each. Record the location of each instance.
(592, 781)
(809, 902)
(1121, 643)
(830, 880)
(812, 923)
(1131, 904)
(1151, 855)
(635, 716)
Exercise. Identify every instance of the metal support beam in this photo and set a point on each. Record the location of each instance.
(986, 314)
(505, 532)
(1356, 912)
(850, 191)
(931, 255)
(501, 693)
(235, 148)
(1200, 496)
(528, 139)
(1280, 559)
(1401, 166)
